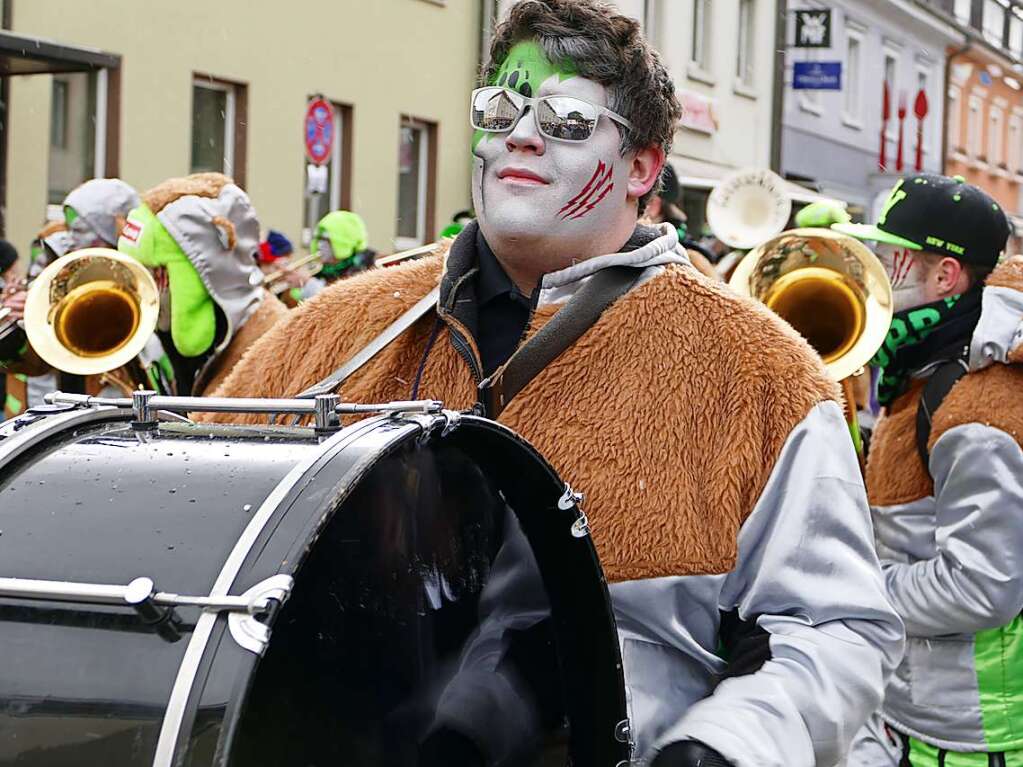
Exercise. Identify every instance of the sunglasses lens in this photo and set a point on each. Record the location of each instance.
(494, 109)
(567, 118)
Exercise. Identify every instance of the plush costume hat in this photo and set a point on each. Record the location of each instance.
(344, 231)
(203, 230)
(98, 208)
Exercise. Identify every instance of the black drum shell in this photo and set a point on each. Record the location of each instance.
(106, 503)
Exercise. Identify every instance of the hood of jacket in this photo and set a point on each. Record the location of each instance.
(998, 336)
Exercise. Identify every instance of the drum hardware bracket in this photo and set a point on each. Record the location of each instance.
(570, 499)
(246, 613)
(251, 630)
(325, 409)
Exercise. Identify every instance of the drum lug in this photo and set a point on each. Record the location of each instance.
(570, 499)
(250, 629)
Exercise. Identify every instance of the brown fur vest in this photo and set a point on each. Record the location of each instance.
(669, 413)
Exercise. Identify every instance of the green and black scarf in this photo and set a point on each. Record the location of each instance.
(923, 335)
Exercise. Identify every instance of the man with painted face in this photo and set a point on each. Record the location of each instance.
(199, 235)
(945, 478)
(723, 493)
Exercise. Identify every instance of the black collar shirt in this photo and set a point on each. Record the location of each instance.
(503, 310)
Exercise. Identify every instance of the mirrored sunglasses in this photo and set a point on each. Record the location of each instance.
(565, 118)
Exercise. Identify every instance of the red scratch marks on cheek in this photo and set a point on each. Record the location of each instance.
(596, 189)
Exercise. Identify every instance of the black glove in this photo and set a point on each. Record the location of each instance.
(689, 753)
(446, 748)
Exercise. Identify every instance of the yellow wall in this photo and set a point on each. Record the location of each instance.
(385, 57)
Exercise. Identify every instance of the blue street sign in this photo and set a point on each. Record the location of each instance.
(817, 75)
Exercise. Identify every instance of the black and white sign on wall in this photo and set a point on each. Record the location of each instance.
(813, 28)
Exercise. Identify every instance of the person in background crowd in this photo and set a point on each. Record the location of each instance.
(272, 257)
(458, 222)
(94, 213)
(275, 247)
(731, 520)
(342, 242)
(8, 282)
(945, 479)
(49, 244)
(199, 235)
(8, 262)
(664, 208)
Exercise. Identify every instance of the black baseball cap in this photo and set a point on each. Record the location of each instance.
(939, 214)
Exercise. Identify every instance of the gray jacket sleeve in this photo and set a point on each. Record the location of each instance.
(975, 581)
(808, 581)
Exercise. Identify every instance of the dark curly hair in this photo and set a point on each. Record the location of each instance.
(603, 45)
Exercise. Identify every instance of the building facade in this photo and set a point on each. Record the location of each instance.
(984, 133)
(887, 119)
(224, 86)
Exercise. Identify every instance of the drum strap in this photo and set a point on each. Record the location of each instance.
(566, 327)
(329, 384)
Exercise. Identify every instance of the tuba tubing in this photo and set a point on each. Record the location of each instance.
(829, 287)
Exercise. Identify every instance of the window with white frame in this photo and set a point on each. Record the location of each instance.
(1013, 145)
(962, 10)
(853, 76)
(891, 74)
(1016, 33)
(214, 107)
(995, 136)
(993, 21)
(414, 192)
(974, 125)
(746, 41)
(955, 118)
(77, 131)
(701, 27)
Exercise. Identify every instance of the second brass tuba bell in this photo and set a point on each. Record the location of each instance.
(826, 285)
(91, 311)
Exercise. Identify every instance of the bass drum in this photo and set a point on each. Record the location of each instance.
(416, 590)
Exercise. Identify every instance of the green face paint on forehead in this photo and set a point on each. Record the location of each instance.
(526, 68)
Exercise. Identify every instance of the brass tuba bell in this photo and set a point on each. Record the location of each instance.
(826, 285)
(91, 311)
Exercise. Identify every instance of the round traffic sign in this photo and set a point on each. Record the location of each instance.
(319, 131)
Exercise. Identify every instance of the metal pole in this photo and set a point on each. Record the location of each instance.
(778, 95)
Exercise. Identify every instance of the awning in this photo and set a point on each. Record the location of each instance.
(22, 55)
(699, 174)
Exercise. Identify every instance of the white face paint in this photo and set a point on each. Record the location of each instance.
(528, 187)
(907, 273)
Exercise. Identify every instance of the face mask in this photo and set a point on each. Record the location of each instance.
(907, 273)
(527, 185)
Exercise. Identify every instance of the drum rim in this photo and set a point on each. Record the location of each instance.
(169, 742)
(490, 430)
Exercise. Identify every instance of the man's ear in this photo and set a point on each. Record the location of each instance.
(951, 277)
(644, 170)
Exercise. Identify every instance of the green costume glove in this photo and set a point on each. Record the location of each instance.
(822, 214)
(193, 313)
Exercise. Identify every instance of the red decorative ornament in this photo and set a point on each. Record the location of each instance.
(886, 114)
(920, 109)
(902, 123)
